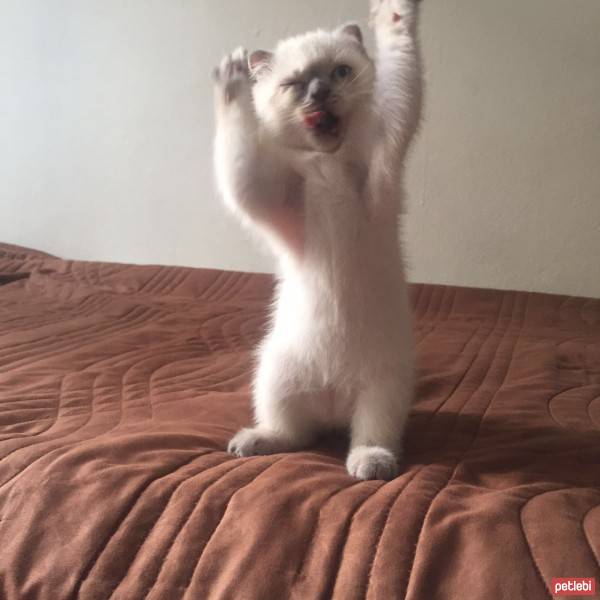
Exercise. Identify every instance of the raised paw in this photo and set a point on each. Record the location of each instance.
(372, 462)
(255, 441)
(232, 76)
(392, 15)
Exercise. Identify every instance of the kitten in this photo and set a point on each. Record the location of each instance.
(309, 152)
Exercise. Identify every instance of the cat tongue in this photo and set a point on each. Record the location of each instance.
(311, 120)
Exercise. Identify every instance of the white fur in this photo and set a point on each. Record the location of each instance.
(339, 352)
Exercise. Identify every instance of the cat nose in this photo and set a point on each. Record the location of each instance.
(318, 90)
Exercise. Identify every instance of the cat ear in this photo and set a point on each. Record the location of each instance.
(354, 30)
(258, 61)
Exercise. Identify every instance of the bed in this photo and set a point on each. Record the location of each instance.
(120, 386)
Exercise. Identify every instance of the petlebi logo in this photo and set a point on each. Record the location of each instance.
(573, 586)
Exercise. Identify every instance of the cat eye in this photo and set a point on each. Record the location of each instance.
(296, 86)
(341, 72)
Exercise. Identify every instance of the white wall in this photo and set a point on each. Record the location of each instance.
(106, 126)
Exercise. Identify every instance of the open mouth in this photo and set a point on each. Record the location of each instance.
(322, 122)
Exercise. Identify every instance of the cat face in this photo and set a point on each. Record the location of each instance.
(307, 92)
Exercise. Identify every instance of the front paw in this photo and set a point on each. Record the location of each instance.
(232, 76)
(254, 441)
(372, 462)
(392, 16)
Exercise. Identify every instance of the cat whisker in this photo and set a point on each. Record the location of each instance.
(358, 75)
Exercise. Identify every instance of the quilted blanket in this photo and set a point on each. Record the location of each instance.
(120, 386)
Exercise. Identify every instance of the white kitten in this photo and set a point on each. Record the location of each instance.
(309, 152)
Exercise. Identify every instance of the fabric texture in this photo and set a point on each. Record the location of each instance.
(120, 386)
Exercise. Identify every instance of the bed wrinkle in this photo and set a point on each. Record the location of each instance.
(150, 369)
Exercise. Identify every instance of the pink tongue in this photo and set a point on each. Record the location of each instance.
(311, 120)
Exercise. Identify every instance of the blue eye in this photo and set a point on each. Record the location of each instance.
(342, 71)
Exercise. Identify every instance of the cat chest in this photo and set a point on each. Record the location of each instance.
(333, 407)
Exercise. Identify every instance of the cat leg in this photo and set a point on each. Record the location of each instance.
(378, 423)
(252, 179)
(282, 410)
(237, 150)
(398, 83)
(398, 97)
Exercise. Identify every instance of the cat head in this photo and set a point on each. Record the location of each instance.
(308, 91)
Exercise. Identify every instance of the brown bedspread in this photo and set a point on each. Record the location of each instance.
(121, 385)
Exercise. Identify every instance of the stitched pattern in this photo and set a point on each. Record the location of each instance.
(121, 385)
